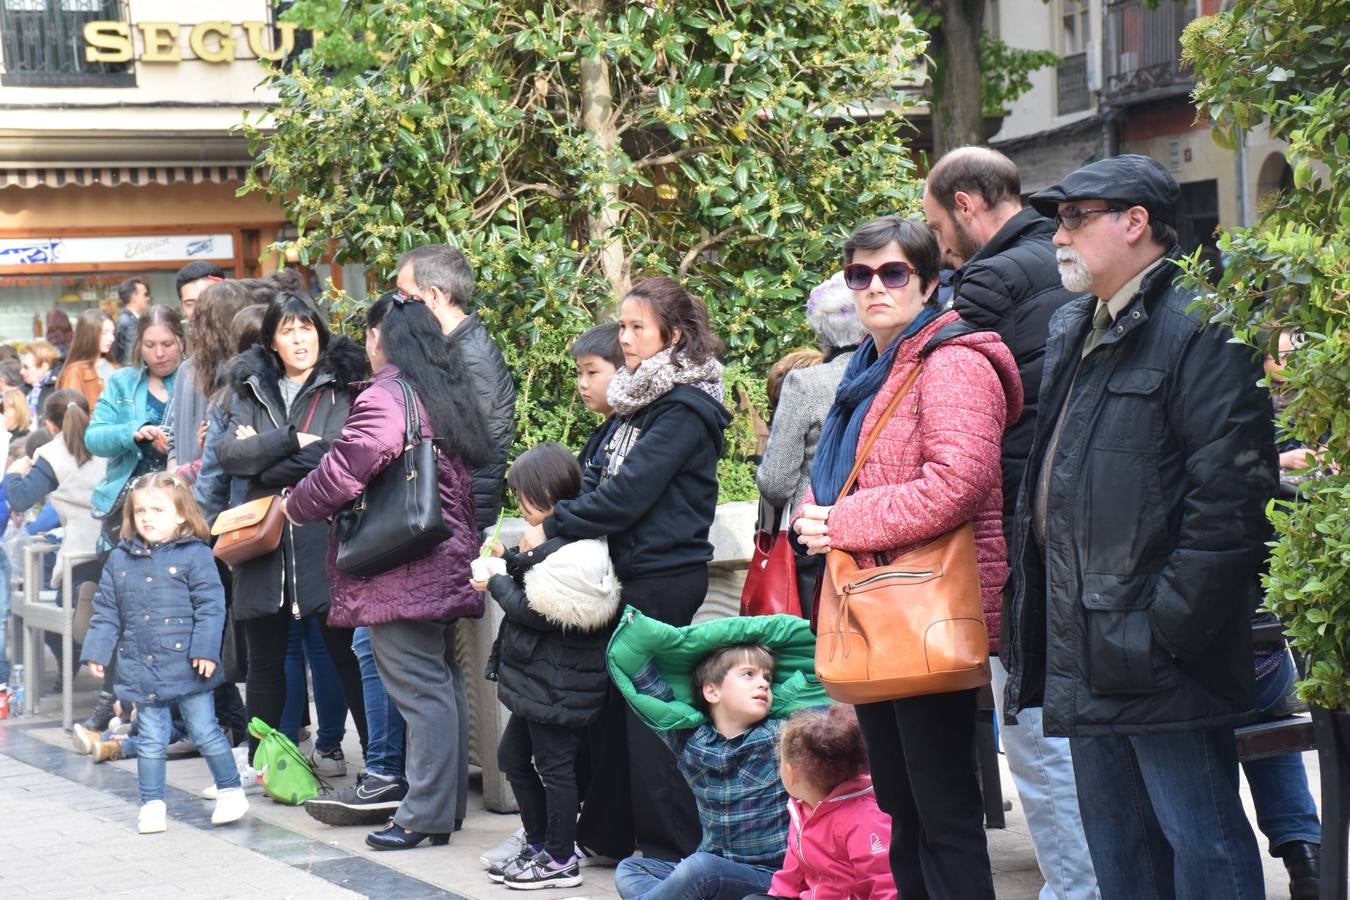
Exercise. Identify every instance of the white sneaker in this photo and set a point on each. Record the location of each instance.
(248, 778)
(151, 819)
(230, 806)
(83, 739)
(504, 852)
(327, 764)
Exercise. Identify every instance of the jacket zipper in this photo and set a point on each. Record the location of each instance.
(281, 603)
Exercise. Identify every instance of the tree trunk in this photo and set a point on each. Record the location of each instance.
(597, 108)
(957, 80)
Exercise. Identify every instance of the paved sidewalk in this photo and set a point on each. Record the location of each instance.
(68, 829)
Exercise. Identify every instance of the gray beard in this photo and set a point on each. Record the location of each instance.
(1074, 275)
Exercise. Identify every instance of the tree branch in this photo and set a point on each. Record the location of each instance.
(706, 244)
(668, 158)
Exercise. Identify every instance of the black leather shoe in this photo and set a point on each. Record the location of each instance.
(396, 837)
(103, 712)
(1303, 860)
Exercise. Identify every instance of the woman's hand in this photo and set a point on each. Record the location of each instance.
(95, 669)
(21, 466)
(305, 439)
(814, 529)
(533, 537)
(204, 667)
(201, 435)
(242, 432)
(154, 436)
(286, 512)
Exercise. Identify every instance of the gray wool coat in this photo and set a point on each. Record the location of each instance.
(807, 395)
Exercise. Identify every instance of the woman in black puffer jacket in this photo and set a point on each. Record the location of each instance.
(290, 400)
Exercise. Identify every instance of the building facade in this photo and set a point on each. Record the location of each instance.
(1121, 87)
(120, 153)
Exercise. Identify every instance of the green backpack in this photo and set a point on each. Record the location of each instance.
(285, 774)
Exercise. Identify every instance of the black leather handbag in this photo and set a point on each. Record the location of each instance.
(397, 518)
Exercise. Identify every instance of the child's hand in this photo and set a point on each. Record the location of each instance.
(479, 586)
(95, 669)
(204, 667)
(495, 550)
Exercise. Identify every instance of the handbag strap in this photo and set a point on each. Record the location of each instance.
(312, 406)
(412, 422)
(876, 431)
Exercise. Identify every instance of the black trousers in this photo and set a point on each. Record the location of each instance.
(923, 772)
(658, 814)
(540, 762)
(265, 687)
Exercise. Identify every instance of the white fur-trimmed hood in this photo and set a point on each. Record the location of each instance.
(576, 586)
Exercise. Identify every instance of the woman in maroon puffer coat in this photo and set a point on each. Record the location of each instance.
(409, 608)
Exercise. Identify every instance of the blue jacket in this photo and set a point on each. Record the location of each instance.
(112, 429)
(158, 608)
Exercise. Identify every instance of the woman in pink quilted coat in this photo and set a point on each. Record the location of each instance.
(934, 467)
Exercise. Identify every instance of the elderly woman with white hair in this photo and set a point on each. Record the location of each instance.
(806, 396)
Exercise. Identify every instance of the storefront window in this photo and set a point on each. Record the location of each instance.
(25, 299)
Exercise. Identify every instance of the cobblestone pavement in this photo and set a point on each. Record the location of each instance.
(68, 830)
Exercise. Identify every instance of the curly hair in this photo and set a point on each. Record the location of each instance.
(825, 747)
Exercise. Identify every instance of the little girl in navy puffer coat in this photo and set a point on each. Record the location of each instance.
(161, 608)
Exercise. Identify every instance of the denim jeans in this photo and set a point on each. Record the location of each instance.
(384, 755)
(1284, 807)
(306, 643)
(703, 876)
(1163, 817)
(155, 724)
(1042, 771)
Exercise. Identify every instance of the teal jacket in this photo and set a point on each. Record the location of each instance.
(675, 652)
(117, 417)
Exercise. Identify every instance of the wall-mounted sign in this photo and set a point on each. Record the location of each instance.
(213, 42)
(141, 248)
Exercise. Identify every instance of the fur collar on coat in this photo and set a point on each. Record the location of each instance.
(575, 587)
(342, 362)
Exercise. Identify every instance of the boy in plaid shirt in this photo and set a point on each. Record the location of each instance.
(726, 746)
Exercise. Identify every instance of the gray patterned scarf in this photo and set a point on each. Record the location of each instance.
(631, 391)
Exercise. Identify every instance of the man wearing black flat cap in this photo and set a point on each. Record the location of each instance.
(1135, 546)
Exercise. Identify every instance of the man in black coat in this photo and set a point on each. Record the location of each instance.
(1007, 280)
(1137, 539)
(441, 276)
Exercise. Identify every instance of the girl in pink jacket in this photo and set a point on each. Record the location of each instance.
(838, 840)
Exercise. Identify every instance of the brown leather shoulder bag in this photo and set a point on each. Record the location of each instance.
(913, 627)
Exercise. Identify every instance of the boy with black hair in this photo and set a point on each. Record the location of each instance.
(598, 357)
(716, 694)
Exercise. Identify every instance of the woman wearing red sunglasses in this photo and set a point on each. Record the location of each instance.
(934, 467)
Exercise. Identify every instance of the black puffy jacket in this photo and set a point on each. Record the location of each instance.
(271, 460)
(1012, 286)
(559, 603)
(497, 392)
(658, 507)
(1155, 530)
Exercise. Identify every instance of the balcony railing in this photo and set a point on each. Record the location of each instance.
(1072, 86)
(1143, 48)
(43, 42)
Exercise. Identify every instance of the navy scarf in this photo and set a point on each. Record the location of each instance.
(866, 373)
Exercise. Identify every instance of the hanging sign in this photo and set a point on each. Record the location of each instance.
(139, 248)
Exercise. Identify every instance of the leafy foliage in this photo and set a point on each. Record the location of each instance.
(738, 142)
(1007, 72)
(1285, 62)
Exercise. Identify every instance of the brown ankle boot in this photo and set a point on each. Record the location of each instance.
(107, 750)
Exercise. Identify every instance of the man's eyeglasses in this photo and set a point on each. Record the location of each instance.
(1070, 218)
(893, 275)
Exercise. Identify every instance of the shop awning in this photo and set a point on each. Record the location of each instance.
(113, 176)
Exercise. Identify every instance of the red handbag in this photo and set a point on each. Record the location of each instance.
(771, 583)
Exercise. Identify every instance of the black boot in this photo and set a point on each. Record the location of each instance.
(103, 712)
(1303, 860)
